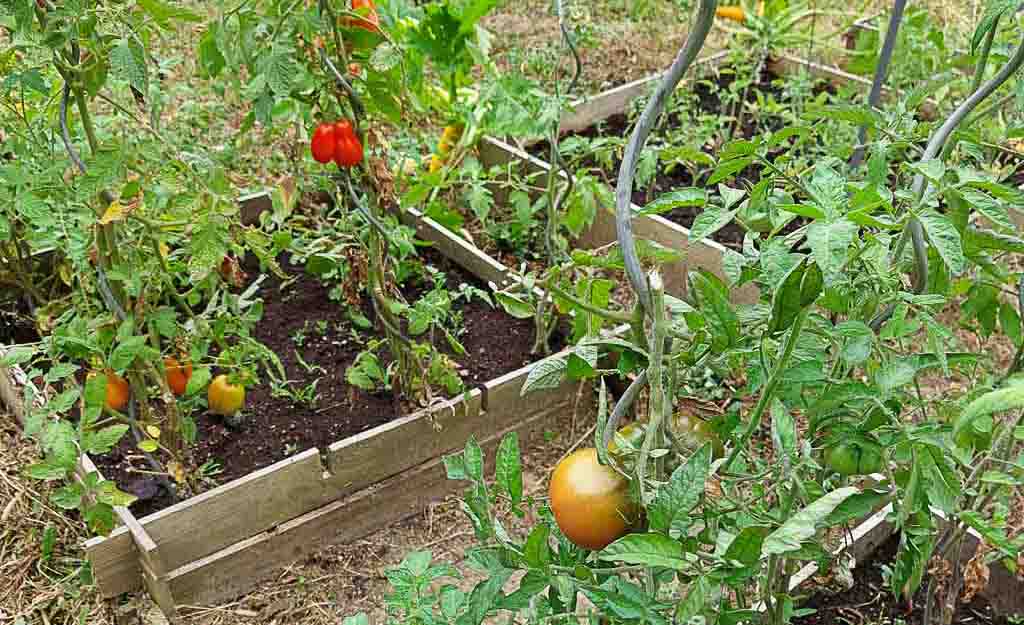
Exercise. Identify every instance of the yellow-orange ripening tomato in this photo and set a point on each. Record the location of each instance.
(225, 398)
(117, 392)
(734, 13)
(178, 375)
(591, 502)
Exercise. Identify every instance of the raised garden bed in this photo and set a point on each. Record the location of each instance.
(872, 544)
(705, 254)
(218, 543)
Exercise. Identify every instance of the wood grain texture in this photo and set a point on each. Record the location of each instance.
(212, 520)
(455, 247)
(704, 255)
(234, 570)
(587, 112)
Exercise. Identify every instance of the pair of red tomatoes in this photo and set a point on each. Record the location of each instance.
(336, 142)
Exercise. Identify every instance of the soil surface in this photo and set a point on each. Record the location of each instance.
(709, 92)
(16, 325)
(871, 601)
(301, 324)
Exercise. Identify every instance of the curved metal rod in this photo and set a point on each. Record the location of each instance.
(624, 404)
(65, 134)
(934, 148)
(627, 172)
(881, 71)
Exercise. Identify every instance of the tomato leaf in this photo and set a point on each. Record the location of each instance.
(647, 550)
(546, 374)
(670, 512)
(802, 525)
(508, 470)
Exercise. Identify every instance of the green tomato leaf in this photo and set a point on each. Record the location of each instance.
(647, 550)
(802, 525)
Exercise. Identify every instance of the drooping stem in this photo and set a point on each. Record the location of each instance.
(622, 407)
(627, 171)
(769, 388)
(881, 72)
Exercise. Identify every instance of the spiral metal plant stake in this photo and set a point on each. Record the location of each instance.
(881, 71)
(650, 295)
(921, 184)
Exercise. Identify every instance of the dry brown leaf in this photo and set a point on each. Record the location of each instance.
(976, 576)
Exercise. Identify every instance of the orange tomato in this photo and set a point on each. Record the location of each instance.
(117, 392)
(734, 13)
(178, 375)
(372, 20)
(590, 502)
(225, 398)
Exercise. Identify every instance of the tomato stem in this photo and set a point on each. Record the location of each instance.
(769, 388)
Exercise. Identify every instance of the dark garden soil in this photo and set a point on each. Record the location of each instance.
(276, 427)
(708, 91)
(16, 324)
(871, 601)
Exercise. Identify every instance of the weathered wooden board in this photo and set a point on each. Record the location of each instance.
(367, 458)
(212, 520)
(587, 112)
(232, 571)
(705, 254)
(455, 247)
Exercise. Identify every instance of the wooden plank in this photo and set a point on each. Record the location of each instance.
(589, 111)
(369, 457)
(705, 254)
(212, 520)
(236, 569)
(785, 65)
(454, 247)
(253, 205)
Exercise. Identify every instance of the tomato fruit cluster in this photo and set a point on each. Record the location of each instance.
(591, 502)
(178, 375)
(336, 142)
(848, 459)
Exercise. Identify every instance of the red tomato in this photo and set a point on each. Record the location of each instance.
(349, 151)
(324, 143)
(178, 375)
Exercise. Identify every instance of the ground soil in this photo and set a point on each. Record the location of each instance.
(275, 427)
(16, 324)
(871, 601)
(708, 92)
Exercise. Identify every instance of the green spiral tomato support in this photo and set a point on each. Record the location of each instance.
(627, 172)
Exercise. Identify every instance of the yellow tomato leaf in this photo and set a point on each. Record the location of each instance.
(148, 445)
(115, 212)
(153, 431)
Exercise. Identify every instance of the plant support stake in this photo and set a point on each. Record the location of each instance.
(881, 71)
(627, 172)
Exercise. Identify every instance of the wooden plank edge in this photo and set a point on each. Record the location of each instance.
(706, 253)
(234, 570)
(586, 112)
(455, 247)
